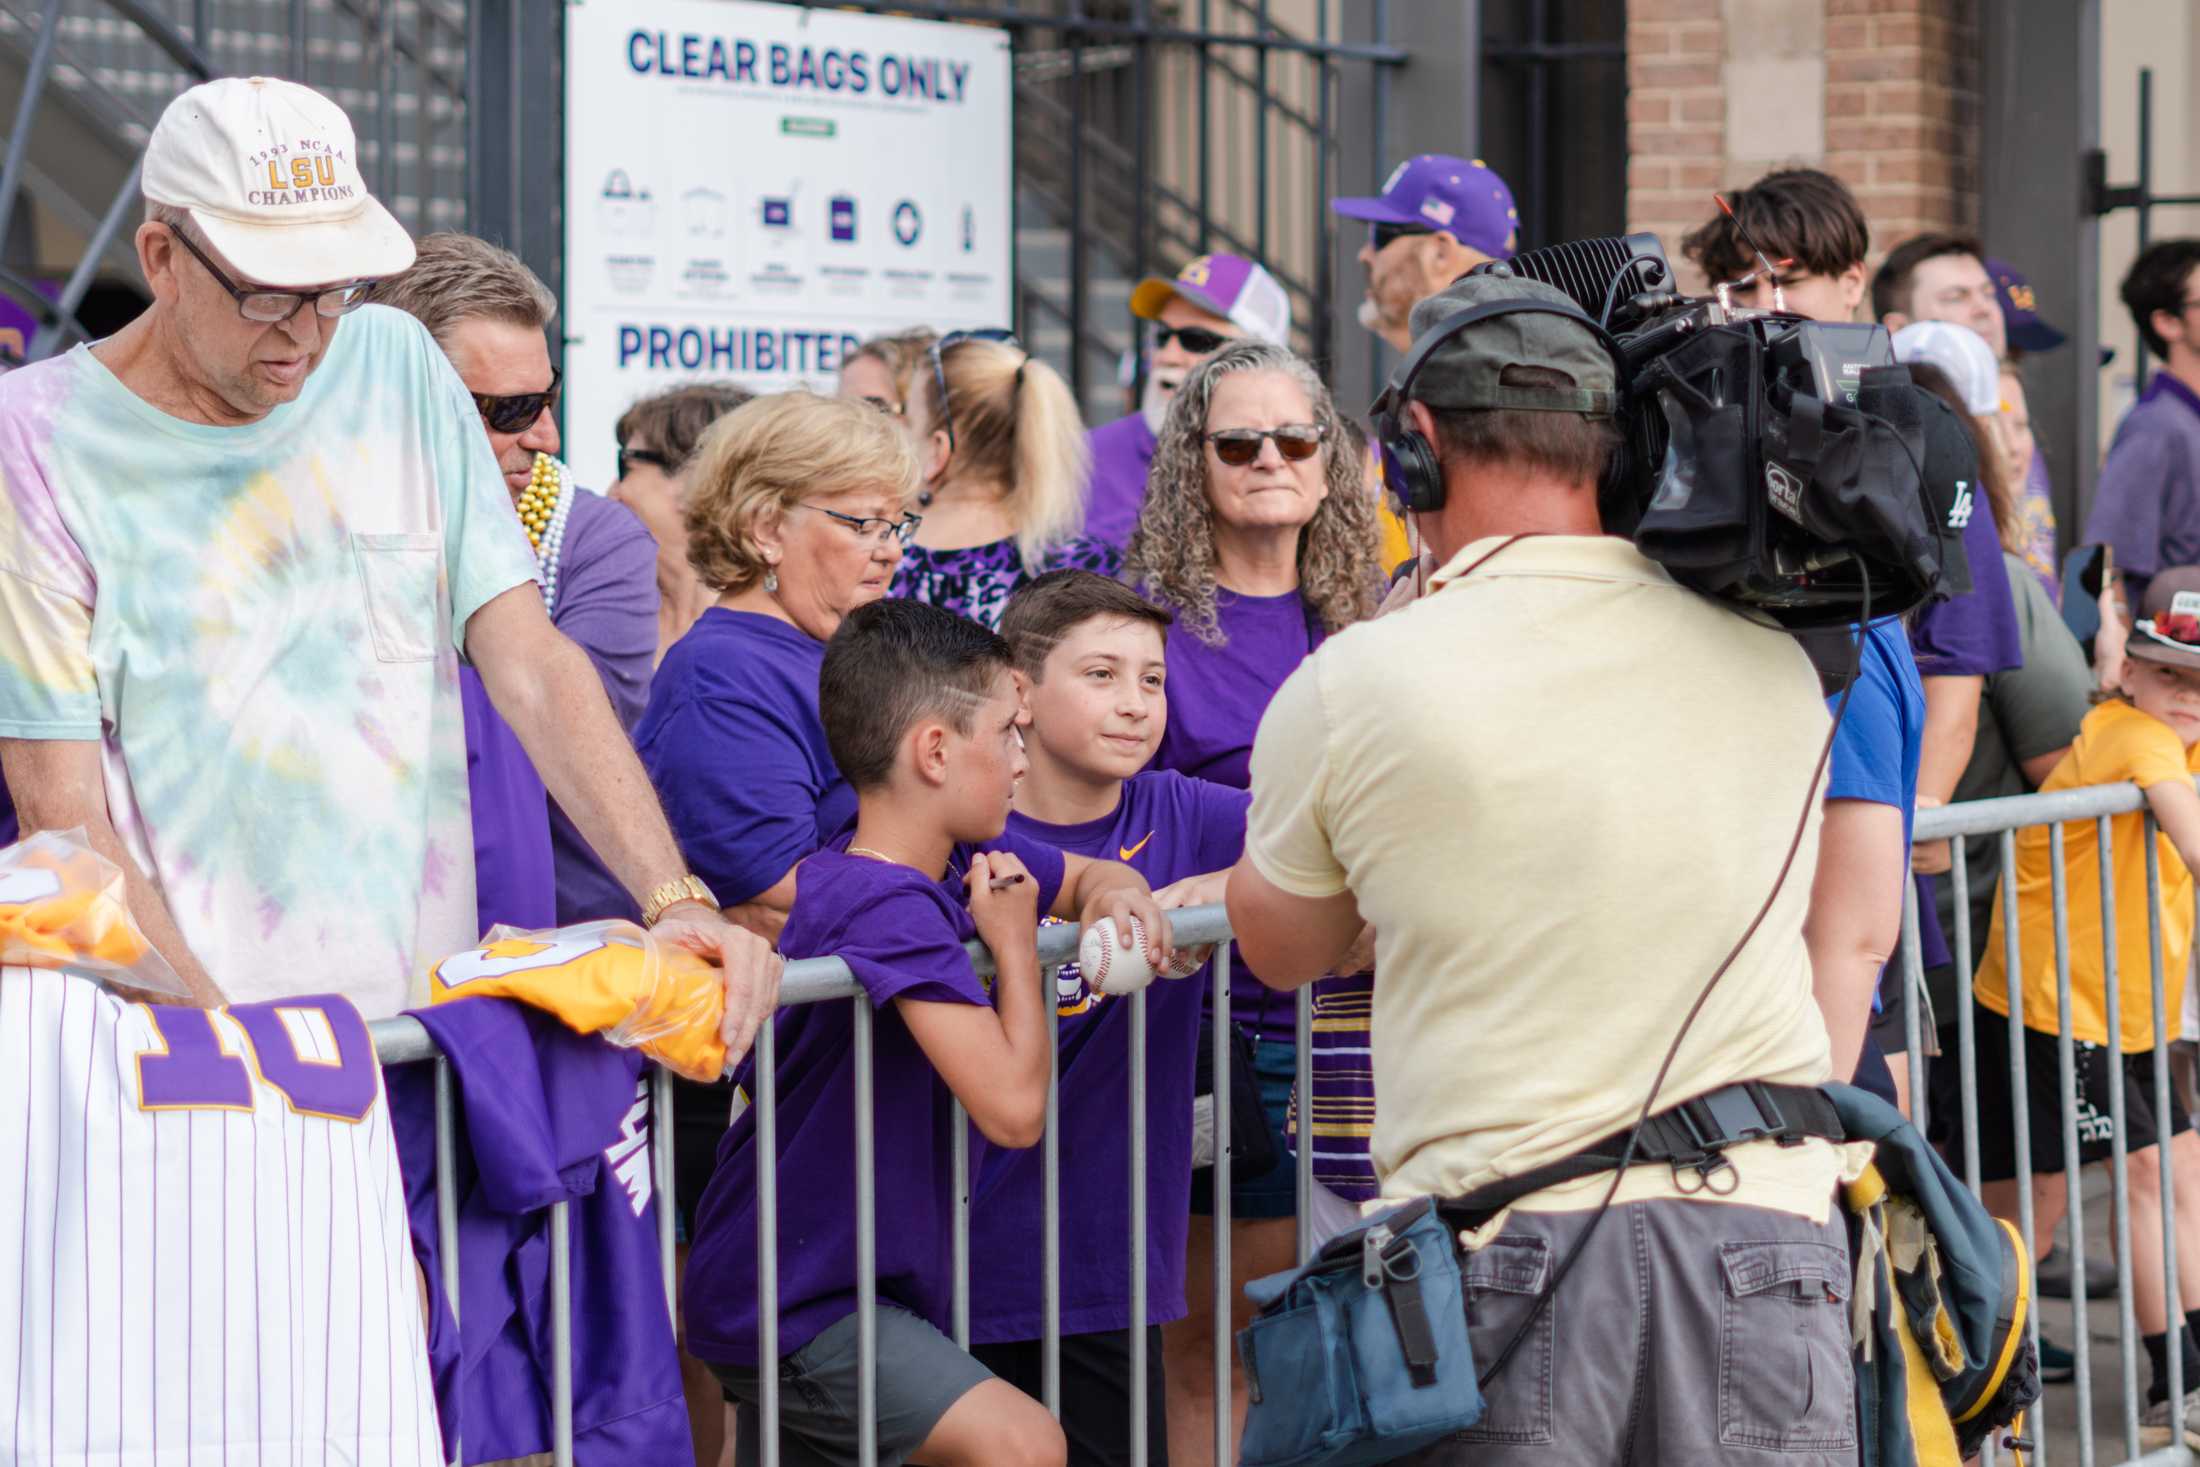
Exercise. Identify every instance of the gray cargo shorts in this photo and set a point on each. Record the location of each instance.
(920, 1375)
(1688, 1332)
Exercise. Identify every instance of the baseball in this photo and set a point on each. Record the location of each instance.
(1110, 967)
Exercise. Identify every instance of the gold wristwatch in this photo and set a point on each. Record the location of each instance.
(687, 889)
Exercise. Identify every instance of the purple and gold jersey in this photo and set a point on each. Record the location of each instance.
(206, 1258)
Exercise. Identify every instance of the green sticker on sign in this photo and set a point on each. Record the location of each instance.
(807, 127)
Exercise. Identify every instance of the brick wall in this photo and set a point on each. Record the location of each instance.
(1676, 114)
(1902, 112)
(1883, 93)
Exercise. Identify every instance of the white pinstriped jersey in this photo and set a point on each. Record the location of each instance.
(203, 1248)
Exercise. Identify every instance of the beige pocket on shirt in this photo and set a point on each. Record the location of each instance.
(397, 575)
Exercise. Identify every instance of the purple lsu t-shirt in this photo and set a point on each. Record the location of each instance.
(1122, 452)
(734, 744)
(607, 603)
(1216, 698)
(513, 880)
(1217, 694)
(2148, 502)
(902, 936)
(1166, 827)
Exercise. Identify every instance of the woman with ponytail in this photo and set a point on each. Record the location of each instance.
(1004, 483)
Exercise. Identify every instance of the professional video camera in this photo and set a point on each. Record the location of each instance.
(1771, 461)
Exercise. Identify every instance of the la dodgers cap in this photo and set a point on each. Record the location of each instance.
(1961, 353)
(269, 171)
(1462, 197)
(1229, 286)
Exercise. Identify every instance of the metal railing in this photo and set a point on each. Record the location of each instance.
(824, 980)
(2003, 818)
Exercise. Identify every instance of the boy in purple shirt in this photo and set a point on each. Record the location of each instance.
(924, 720)
(1091, 659)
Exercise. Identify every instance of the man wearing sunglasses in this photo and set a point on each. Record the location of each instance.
(1437, 218)
(1211, 301)
(244, 544)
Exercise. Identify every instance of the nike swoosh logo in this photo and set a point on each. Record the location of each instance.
(1126, 852)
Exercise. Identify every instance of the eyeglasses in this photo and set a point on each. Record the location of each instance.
(514, 411)
(940, 349)
(871, 529)
(1297, 442)
(1198, 340)
(271, 306)
(628, 457)
(1384, 235)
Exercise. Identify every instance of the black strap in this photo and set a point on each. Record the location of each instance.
(1409, 1312)
(1689, 1136)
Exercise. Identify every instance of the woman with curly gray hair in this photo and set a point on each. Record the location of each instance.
(1260, 532)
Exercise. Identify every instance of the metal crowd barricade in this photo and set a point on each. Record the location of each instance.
(2060, 1425)
(825, 980)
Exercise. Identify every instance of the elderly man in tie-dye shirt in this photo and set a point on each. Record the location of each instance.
(243, 544)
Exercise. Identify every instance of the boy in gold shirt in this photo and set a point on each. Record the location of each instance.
(2149, 737)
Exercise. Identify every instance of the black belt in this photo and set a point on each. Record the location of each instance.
(1690, 1137)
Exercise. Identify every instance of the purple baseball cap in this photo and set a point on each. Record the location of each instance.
(1229, 286)
(1463, 198)
(2020, 310)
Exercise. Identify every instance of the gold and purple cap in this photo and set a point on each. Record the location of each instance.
(1229, 286)
(1462, 197)
(2020, 310)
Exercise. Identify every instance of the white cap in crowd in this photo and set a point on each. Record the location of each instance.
(1962, 354)
(1230, 286)
(270, 172)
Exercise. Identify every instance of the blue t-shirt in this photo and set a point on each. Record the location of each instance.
(734, 743)
(902, 935)
(1166, 827)
(1876, 751)
(1877, 748)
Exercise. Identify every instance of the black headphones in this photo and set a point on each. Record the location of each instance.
(1411, 468)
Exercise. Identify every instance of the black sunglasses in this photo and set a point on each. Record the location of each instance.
(271, 306)
(631, 456)
(1198, 340)
(514, 411)
(1384, 235)
(941, 347)
(1297, 442)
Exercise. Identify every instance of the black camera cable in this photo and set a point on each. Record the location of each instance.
(1634, 1138)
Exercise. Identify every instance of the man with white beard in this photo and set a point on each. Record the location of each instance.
(1213, 300)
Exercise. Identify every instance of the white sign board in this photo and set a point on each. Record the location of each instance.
(753, 189)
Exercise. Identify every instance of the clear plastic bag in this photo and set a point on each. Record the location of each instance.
(610, 978)
(62, 906)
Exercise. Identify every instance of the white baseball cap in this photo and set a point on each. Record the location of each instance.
(1961, 353)
(270, 172)
(1230, 286)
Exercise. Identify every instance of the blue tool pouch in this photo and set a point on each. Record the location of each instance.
(1361, 1356)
